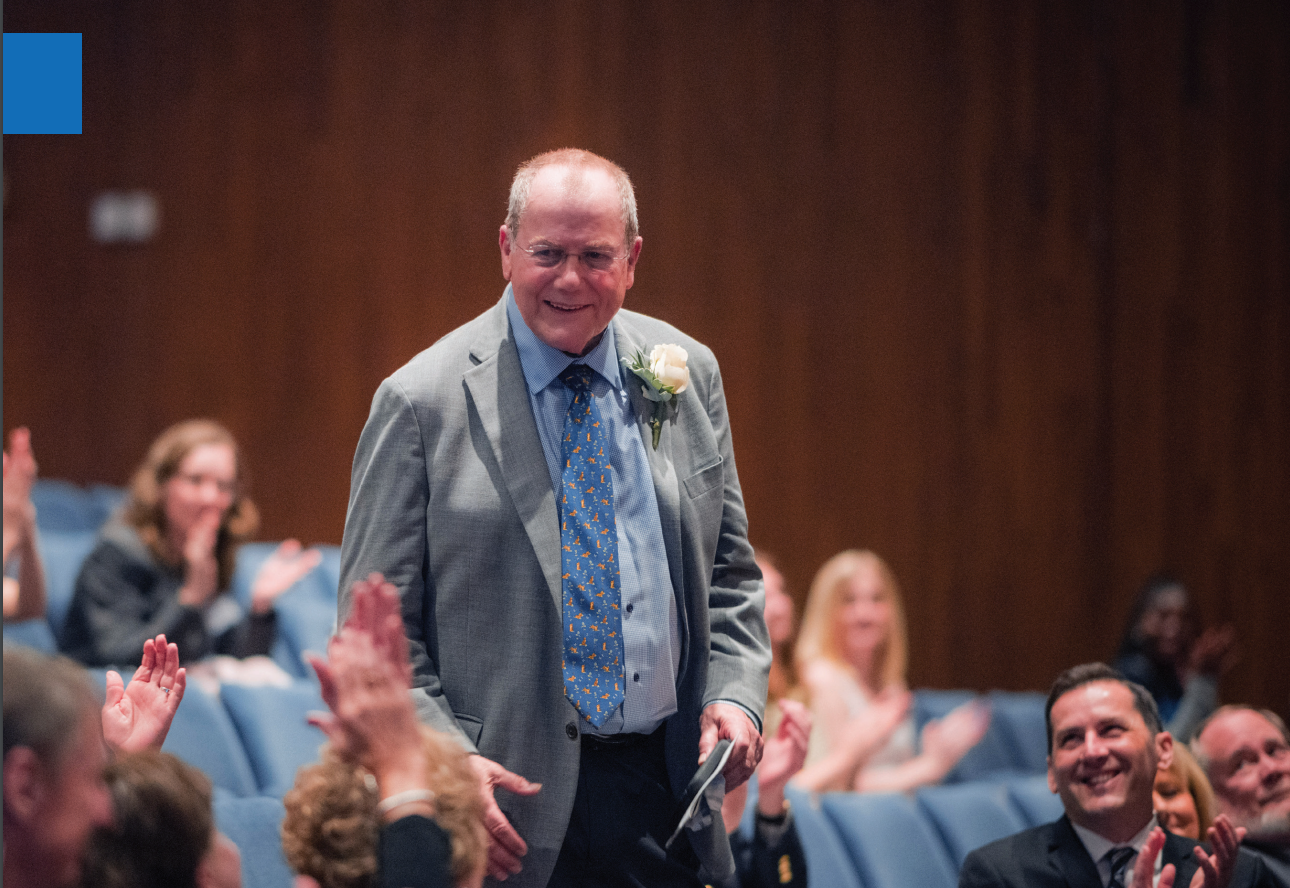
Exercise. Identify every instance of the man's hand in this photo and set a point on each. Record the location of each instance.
(138, 716)
(505, 847)
(724, 721)
(1144, 868)
(1216, 869)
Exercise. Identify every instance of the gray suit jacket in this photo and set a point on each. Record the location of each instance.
(451, 499)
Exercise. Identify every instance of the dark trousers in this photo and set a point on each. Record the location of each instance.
(622, 816)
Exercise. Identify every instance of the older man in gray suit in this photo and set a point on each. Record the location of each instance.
(590, 681)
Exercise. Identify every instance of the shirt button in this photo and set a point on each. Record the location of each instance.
(636, 676)
(630, 607)
(571, 731)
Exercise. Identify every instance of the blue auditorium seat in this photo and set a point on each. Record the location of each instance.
(255, 826)
(203, 735)
(1020, 718)
(969, 815)
(889, 841)
(273, 731)
(63, 506)
(62, 552)
(828, 862)
(34, 633)
(1036, 802)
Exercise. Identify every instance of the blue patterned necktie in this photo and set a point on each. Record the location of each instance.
(1119, 860)
(593, 624)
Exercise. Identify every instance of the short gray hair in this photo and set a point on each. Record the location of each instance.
(574, 158)
(1198, 751)
(45, 701)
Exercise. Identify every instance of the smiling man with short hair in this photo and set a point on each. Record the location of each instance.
(579, 596)
(1106, 745)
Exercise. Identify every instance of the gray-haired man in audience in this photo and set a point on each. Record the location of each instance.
(1246, 753)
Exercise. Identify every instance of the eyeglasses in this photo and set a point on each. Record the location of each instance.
(549, 256)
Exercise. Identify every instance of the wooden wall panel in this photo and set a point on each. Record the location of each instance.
(999, 290)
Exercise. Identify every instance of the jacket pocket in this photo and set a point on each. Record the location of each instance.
(705, 479)
(471, 727)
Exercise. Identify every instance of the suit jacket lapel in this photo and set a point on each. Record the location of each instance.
(1070, 857)
(500, 398)
(662, 462)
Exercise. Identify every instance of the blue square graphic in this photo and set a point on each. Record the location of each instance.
(42, 83)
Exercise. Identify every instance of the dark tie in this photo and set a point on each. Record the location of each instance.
(593, 625)
(1119, 859)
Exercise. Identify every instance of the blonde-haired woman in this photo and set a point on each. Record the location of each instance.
(851, 655)
(1182, 796)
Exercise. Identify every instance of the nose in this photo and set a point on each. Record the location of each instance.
(1094, 747)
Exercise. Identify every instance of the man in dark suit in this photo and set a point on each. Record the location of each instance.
(1105, 744)
(461, 495)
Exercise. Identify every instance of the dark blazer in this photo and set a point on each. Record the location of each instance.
(763, 864)
(1052, 856)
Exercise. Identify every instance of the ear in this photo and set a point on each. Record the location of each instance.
(504, 245)
(1052, 777)
(1164, 751)
(24, 784)
(633, 254)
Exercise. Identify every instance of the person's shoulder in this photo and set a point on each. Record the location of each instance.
(650, 331)
(1024, 844)
(120, 536)
(1262, 865)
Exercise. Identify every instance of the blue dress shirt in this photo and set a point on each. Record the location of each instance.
(651, 625)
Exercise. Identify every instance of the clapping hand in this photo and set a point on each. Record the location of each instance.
(948, 739)
(201, 569)
(365, 684)
(280, 571)
(137, 716)
(19, 476)
(1215, 870)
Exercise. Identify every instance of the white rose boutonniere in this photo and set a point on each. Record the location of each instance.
(665, 376)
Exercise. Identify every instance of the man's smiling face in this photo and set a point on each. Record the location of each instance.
(574, 211)
(1104, 759)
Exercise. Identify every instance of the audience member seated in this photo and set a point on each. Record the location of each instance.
(164, 565)
(391, 803)
(851, 656)
(1246, 753)
(773, 854)
(1106, 745)
(1184, 801)
(24, 593)
(162, 833)
(56, 744)
(1162, 652)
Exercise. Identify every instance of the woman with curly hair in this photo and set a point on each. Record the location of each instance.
(391, 803)
(165, 564)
